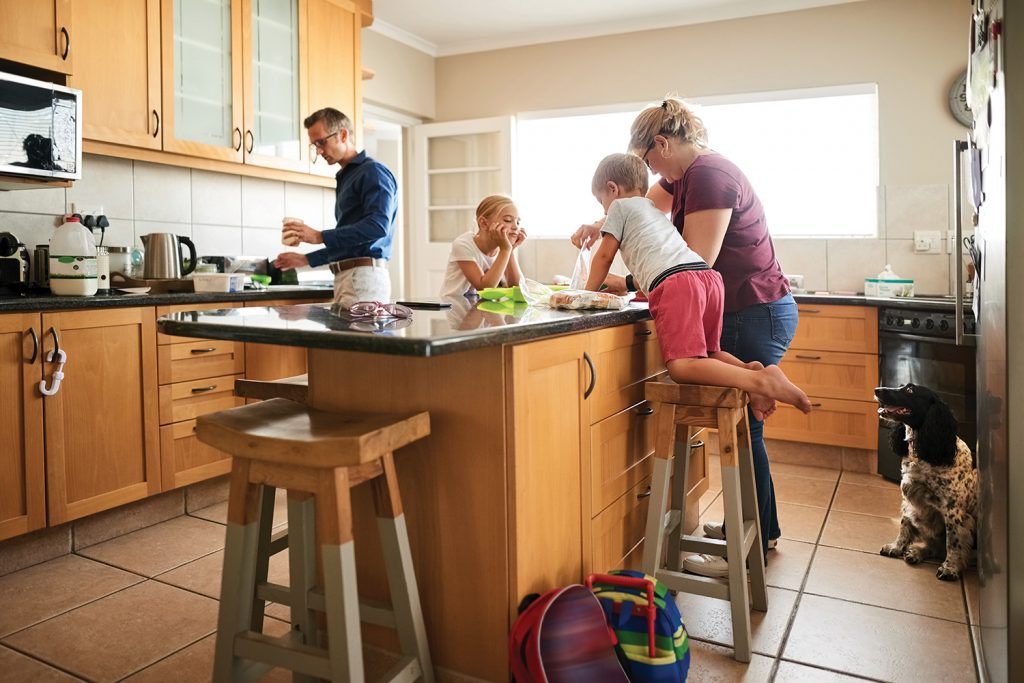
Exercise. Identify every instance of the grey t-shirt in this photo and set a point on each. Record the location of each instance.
(648, 241)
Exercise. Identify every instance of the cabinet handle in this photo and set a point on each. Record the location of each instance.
(808, 357)
(35, 345)
(206, 350)
(808, 310)
(644, 333)
(200, 390)
(251, 140)
(815, 405)
(593, 376)
(644, 494)
(56, 342)
(238, 132)
(645, 411)
(696, 444)
(67, 43)
(156, 128)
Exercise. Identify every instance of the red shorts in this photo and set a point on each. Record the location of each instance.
(687, 309)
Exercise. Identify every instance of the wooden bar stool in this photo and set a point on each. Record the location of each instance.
(317, 457)
(723, 409)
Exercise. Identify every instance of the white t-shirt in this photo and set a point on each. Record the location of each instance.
(648, 241)
(463, 249)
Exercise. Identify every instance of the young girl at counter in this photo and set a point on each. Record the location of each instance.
(686, 296)
(486, 257)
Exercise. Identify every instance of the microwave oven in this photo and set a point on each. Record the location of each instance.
(40, 129)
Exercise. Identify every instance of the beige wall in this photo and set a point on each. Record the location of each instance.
(404, 79)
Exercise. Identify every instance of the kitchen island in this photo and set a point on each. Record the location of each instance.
(537, 466)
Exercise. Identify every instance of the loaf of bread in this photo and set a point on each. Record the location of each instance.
(581, 298)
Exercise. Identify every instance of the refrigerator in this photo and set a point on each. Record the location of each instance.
(992, 187)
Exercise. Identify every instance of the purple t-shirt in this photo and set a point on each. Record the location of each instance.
(747, 262)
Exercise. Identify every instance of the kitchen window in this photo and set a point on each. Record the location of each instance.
(811, 155)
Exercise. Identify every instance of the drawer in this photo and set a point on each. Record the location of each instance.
(199, 360)
(624, 357)
(832, 374)
(617, 534)
(185, 459)
(837, 328)
(620, 453)
(188, 400)
(162, 338)
(833, 422)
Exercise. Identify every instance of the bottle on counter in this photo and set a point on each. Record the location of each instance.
(73, 260)
(102, 270)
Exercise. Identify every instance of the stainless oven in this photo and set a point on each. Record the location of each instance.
(918, 345)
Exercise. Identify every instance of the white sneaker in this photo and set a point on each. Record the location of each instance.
(716, 530)
(706, 565)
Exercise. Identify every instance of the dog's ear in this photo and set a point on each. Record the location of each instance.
(898, 440)
(936, 440)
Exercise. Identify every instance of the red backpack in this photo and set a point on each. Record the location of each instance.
(562, 637)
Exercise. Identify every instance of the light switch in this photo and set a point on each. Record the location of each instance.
(927, 242)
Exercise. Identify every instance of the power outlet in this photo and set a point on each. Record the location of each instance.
(86, 209)
(927, 242)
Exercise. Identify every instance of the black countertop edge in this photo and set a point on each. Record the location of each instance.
(927, 303)
(10, 303)
(397, 345)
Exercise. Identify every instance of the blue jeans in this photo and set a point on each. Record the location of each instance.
(761, 332)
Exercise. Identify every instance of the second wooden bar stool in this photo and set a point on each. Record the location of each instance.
(723, 409)
(317, 457)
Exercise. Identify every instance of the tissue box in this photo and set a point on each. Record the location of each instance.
(218, 282)
(888, 288)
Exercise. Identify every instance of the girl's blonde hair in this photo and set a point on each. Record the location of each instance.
(625, 170)
(490, 206)
(673, 118)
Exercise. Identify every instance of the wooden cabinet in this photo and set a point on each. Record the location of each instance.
(102, 443)
(22, 477)
(834, 359)
(37, 33)
(272, 361)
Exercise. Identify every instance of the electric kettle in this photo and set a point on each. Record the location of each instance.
(164, 260)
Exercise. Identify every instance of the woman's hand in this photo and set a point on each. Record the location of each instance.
(587, 234)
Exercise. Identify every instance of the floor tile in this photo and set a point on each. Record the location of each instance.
(160, 547)
(790, 672)
(17, 668)
(875, 642)
(866, 479)
(855, 531)
(715, 664)
(709, 619)
(203, 575)
(788, 563)
(852, 575)
(219, 511)
(45, 590)
(800, 522)
(115, 636)
(868, 500)
(802, 490)
(809, 471)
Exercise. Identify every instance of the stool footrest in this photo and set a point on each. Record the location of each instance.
(379, 614)
(283, 652)
(717, 546)
(406, 670)
(707, 586)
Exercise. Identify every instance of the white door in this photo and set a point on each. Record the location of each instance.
(456, 164)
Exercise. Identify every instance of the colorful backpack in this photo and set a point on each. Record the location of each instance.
(653, 645)
(562, 637)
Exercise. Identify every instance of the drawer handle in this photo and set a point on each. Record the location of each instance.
(644, 333)
(593, 376)
(35, 345)
(815, 405)
(644, 494)
(808, 310)
(199, 390)
(808, 357)
(696, 444)
(645, 411)
(207, 350)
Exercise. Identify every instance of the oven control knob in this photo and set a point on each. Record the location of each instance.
(915, 323)
(943, 325)
(929, 324)
(888, 321)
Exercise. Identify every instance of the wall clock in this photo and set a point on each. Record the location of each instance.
(958, 100)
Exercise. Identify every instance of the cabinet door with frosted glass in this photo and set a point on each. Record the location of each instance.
(275, 95)
(456, 165)
(201, 45)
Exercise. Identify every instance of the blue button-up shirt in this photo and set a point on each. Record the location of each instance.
(365, 208)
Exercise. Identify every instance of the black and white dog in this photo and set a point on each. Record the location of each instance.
(939, 481)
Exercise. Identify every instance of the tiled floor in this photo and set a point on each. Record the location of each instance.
(142, 607)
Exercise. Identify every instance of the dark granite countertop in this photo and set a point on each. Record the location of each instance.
(466, 325)
(50, 302)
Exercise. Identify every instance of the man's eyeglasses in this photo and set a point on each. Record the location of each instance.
(644, 157)
(319, 144)
(375, 310)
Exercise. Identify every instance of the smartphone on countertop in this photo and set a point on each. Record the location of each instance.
(433, 304)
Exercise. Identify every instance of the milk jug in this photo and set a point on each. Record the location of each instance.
(73, 260)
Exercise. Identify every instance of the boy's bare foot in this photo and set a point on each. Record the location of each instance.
(762, 406)
(782, 389)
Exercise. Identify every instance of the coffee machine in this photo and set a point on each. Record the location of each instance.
(14, 264)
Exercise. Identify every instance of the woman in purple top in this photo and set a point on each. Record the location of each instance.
(721, 218)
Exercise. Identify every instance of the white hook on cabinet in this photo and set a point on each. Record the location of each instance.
(58, 374)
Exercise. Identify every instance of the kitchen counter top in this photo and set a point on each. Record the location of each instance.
(50, 302)
(926, 303)
(427, 333)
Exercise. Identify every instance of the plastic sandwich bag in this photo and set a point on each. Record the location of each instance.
(581, 272)
(537, 294)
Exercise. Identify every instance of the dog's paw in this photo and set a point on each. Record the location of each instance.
(947, 572)
(913, 556)
(892, 550)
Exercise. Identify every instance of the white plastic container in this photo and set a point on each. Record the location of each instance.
(73, 260)
(218, 282)
(888, 285)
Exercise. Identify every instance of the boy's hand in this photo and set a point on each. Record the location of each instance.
(615, 284)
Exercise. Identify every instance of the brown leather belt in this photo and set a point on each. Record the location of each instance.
(339, 266)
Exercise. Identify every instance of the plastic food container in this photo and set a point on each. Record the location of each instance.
(218, 282)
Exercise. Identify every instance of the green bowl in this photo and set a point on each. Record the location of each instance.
(513, 293)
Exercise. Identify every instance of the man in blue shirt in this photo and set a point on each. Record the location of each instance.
(358, 247)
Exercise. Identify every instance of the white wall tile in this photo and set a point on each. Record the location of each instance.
(804, 257)
(262, 242)
(852, 260)
(49, 200)
(262, 203)
(217, 240)
(930, 272)
(557, 256)
(120, 232)
(305, 202)
(216, 198)
(526, 254)
(915, 207)
(105, 182)
(30, 228)
(162, 193)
